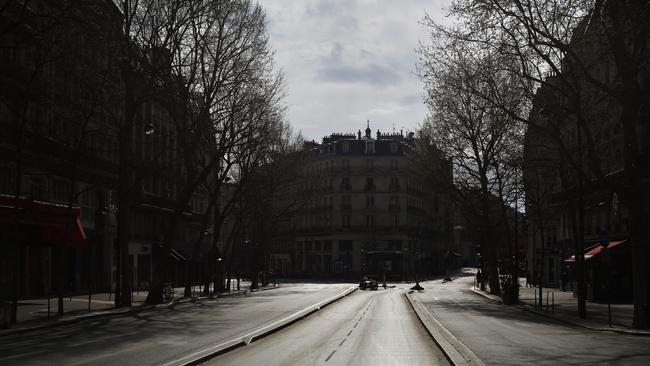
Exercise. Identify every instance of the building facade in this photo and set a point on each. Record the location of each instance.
(366, 215)
(575, 170)
(61, 103)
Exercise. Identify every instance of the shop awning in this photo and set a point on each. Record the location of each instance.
(596, 249)
(76, 236)
(43, 223)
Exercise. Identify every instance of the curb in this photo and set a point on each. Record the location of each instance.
(527, 307)
(455, 351)
(115, 312)
(246, 339)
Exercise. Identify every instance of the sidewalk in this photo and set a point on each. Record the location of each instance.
(36, 314)
(563, 306)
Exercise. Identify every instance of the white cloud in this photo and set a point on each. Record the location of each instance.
(350, 60)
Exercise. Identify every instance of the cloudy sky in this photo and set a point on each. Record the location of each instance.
(348, 61)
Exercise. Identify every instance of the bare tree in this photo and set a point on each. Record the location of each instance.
(575, 41)
(474, 134)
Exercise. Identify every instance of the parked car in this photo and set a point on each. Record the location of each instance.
(368, 284)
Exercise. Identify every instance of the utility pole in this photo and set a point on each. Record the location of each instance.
(515, 269)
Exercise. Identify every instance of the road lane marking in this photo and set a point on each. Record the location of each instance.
(355, 324)
(350, 332)
(343, 341)
(330, 356)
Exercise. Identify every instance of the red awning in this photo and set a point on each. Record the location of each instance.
(76, 236)
(592, 251)
(44, 222)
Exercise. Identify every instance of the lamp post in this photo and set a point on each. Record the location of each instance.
(363, 262)
(125, 197)
(417, 286)
(406, 262)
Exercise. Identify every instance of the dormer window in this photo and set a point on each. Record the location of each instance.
(393, 147)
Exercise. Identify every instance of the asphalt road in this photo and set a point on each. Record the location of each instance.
(364, 328)
(503, 335)
(161, 335)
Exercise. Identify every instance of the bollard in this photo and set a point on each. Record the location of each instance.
(546, 300)
(553, 302)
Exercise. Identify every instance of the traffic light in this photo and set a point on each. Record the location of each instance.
(479, 258)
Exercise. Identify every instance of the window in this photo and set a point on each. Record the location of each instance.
(345, 184)
(327, 245)
(370, 147)
(393, 147)
(393, 164)
(346, 147)
(54, 128)
(369, 164)
(345, 244)
(394, 184)
(370, 184)
(345, 221)
(395, 221)
(37, 188)
(346, 164)
(88, 204)
(370, 221)
(7, 179)
(346, 202)
(370, 201)
(59, 190)
(317, 245)
(332, 166)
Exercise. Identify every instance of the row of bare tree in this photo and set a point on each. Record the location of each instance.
(484, 76)
(221, 135)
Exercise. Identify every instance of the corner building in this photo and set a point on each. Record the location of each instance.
(367, 214)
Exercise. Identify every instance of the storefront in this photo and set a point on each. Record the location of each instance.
(39, 240)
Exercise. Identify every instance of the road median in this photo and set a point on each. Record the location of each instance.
(456, 352)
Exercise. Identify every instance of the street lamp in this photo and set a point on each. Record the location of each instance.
(125, 196)
(417, 286)
(406, 260)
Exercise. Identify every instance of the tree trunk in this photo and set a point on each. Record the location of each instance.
(636, 199)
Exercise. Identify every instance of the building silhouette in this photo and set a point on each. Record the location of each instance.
(368, 214)
(61, 100)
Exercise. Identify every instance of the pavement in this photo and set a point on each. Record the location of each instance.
(365, 328)
(39, 313)
(497, 334)
(562, 306)
(162, 335)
